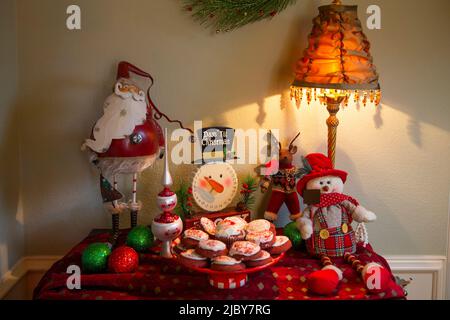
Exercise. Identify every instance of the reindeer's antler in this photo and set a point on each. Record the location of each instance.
(293, 140)
(270, 139)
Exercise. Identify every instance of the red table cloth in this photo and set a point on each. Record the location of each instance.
(164, 279)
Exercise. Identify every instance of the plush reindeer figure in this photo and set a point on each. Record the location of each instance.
(283, 183)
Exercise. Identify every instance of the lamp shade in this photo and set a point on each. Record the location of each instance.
(338, 56)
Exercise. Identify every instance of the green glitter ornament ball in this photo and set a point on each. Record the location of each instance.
(95, 257)
(140, 238)
(293, 234)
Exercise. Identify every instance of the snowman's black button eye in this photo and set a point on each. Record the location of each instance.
(221, 175)
(321, 183)
(329, 182)
(210, 177)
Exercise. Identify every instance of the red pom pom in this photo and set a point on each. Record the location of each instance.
(376, 278)
(323, 282)
(123, 260)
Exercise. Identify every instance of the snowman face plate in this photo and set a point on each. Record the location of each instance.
(214, 186)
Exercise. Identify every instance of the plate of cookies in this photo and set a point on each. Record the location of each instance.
(230, 249)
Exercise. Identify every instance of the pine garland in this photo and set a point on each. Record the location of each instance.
(249, 186)
(226, 15)
(184, 196)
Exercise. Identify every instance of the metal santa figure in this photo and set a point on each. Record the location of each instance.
(125, 140)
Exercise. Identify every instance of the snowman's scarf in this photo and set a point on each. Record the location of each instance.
(331, 199)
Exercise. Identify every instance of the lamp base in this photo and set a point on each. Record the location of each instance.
(333, 107)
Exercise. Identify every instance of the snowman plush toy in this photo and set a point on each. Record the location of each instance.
(326, 227)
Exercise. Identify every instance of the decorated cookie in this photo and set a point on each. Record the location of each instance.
(245, 250)
(265, 239)
(264, 259)
(238, 221)
(208, 226)
(282, 244)
(260, 225)
(192, 237)
(190, 258)
(229, 231)
(226, 263)
(211, 248)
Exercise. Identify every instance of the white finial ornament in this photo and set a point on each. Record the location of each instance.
(167, 226)
(167, 178)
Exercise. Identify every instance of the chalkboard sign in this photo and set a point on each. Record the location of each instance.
(216, 143)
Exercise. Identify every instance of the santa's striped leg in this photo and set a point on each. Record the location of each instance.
(111, 204)
(325, 282)
(115, 216)
(376, 278)
(115, 228)
(134, 205)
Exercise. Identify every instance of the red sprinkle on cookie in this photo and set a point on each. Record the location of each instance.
(229, 231)
(241, 223)
(226, 263)
(245, 250)
(282, 244)
(265, 239)
(260, 225)
(208, 226)
(264, 259)
(192, 237)
(211, 248)
(190, 258)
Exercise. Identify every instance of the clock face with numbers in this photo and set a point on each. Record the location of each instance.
(214, 186)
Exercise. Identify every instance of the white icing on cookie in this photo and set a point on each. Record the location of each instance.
(225, 260)
(244, 248)
(227, 228)
(198, 235)
(208, 225)
(213, 245)
(260, 237)
(264, 256)
(191, 254)
(280, 240)
(237, 220)
(258, 225)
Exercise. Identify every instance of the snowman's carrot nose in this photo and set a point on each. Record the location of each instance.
(217, 187)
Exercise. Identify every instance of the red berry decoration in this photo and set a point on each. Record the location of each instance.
(123, 260)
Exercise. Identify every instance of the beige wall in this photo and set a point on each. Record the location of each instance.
(397, 156)
(11, 220)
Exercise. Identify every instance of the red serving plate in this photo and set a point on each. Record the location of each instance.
(232, 279)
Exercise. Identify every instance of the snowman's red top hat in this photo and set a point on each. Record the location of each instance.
(319, 166)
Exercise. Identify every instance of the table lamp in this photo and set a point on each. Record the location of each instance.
(336, 66)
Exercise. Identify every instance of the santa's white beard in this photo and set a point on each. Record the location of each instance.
(120, 118)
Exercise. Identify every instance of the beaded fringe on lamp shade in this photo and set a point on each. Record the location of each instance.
(338, 58)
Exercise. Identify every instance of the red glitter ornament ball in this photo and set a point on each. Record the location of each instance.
(123, 260)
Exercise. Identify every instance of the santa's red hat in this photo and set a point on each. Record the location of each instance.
(318, 165)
